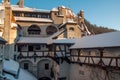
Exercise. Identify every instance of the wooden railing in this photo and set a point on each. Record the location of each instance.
(104, 61)
(36, 54)
(56, 56)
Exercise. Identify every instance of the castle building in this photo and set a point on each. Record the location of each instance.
(33, 35)
(40, 40)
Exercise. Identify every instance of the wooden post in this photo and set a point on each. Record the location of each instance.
(16, 52)
(78, 55)
(101, 56)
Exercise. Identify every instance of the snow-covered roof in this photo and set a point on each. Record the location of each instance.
(33, 19)
(62, 24)
(57, 33)
(111, 39)
(63, 6)
(70, 13)
(49, 40)
(64, 41)
(34, 40)
(54, 9)
(28, 9)
(41, 40)
(70, 21)
(11, 66)
(2, 41)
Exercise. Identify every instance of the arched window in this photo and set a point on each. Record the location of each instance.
(71, 29)
(51, 30)
(34, 30)
(26, 64)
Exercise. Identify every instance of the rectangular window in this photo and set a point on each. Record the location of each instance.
(27, 14)
(30, 48)
(46, 66)
(16, 14)
(34, 15)
(45, 16)
(37, 47)
(26, 66)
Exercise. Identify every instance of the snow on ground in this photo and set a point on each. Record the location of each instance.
(23, 75)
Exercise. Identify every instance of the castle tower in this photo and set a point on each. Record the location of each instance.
(9, 32)
(58, 19)
(81, 17)
(82, 24)
(21, 3)
(7, 21)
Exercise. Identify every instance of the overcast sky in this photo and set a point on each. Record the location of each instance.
(100, 12)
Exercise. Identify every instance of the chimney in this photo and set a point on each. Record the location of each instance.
(21, 3)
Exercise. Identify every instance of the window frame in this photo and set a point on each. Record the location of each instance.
(46, 66)
(71, 29)
(26, 66)
(34, 30)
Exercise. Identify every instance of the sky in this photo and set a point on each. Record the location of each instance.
(100, 12)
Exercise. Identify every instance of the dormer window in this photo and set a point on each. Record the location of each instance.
(71, 29)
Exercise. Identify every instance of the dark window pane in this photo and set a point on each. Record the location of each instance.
(71, 29)
(26, 66)
(46, 66)
(51, 30)
(34, 30)
(30, 48)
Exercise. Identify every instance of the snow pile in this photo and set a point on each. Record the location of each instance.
(11, 66)
(13, 72)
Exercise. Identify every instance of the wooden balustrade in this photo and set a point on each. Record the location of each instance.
(97, 60)
(104, 61)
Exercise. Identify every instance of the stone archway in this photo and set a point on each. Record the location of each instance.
(26, 64)
(44, 69)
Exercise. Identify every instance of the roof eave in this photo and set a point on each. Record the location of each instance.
(96, 47)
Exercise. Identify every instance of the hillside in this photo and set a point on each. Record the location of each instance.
(97, 29)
